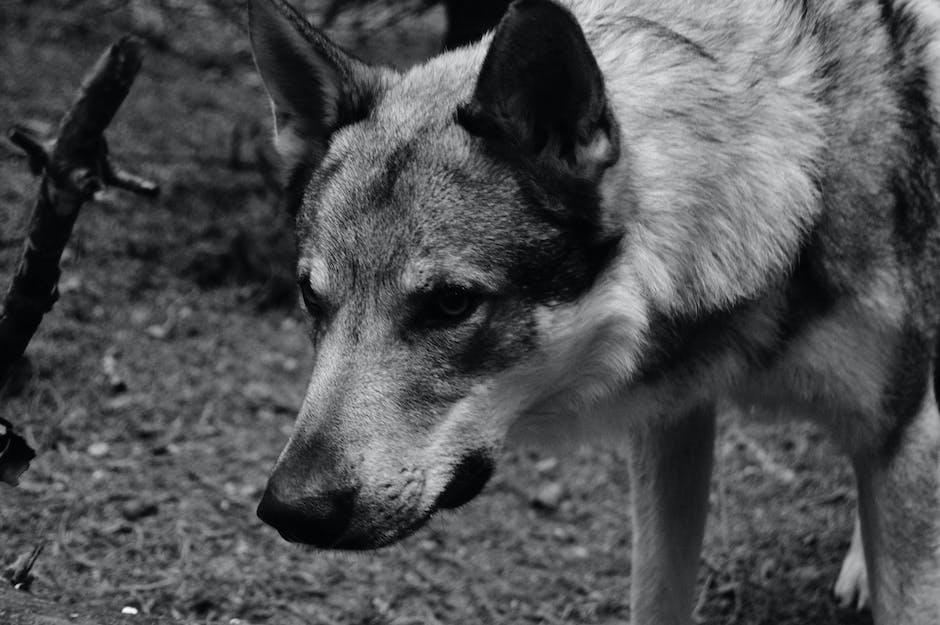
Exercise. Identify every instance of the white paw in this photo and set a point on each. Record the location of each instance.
(852, 585)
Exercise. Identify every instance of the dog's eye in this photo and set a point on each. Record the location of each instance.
(450, 304)
(311, 301)
(453, 302)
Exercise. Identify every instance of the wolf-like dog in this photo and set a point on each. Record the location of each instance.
(631, 207)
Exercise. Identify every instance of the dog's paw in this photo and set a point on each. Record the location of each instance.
(852, 585)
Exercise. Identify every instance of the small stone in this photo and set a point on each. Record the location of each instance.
(130, 610)
(70, 284)
(74, 417)
(136, 509)
(140, 316)
(767, 569)
(807, 573)
(549, 497)
(258, 393)
(266, 414)
(109, 365)
(579, 553)
(98, 449)
(158, 332)
(122, 402)
(546, 465)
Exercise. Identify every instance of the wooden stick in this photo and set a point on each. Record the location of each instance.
(74, 166)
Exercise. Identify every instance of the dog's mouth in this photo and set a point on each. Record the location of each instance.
(378, 540)
(469, 478)
(350, 527)
(356, 537)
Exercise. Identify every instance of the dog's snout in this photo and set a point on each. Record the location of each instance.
(468, 479)
(314, 518)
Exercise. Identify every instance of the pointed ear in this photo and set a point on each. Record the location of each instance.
(541, 90)
(314, 85)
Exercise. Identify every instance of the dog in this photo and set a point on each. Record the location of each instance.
(637, 208)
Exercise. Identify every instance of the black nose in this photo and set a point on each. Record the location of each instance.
(470, 476)
(318, 519)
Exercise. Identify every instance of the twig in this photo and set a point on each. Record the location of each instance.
(19, 574)
(697, 612)
(74, 166)
(36, 152)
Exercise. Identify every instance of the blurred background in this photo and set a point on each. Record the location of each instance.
(161, 388)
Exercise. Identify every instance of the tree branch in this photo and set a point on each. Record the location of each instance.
(74, 166)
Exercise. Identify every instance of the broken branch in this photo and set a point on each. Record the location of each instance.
(74, 166)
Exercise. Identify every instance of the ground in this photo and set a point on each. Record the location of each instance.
(145, 496)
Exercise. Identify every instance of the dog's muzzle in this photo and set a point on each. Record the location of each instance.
(324, 513)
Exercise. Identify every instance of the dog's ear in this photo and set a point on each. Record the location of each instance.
(541, 89)
(314, 85)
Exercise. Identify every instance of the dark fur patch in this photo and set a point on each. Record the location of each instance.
(566, 264)
(540, 87)
(567, 248)
(887, 11)
(683, 345)
(382, 190)
(915, 187)
(915, 183)
(469, 477)
(539, 95)
(306, 177)
(454, 361)
(907, 386)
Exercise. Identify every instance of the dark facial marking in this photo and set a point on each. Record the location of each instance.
(566, 247)
(907, 386)
(305, 178)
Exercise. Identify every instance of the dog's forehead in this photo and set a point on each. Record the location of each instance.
(403, 207)
(408, 194)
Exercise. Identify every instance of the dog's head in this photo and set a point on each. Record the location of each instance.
(448, 223)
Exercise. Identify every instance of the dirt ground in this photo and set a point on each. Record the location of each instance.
(144, 493)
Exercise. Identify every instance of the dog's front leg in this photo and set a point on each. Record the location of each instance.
(670, 470)
(899, 507)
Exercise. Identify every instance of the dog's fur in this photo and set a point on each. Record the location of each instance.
(644, 206)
